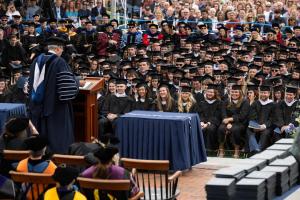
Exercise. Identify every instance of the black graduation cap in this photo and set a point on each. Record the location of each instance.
(121, 81)
(278, 88)
(236, 87)
(265, 88)
(142, 84)
(36, 143)
(275, 80)
(254, 81)
(208, 77)
(232, 80)
(17, 16)
(62, 21)
(105, 154)
(64, 175)
(52, 20)
(186, 89)
(35, 15)
(252, 87)
(217, 72)
(3, 78)
(165, 84)
(185, 80)
(153, 25)
(155, 76)
(16, 125)
(209, 62)
(254, 66)
(212, 86)
(291, 89)
(56, 41)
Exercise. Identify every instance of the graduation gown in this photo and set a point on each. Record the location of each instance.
(145, 105)
(284, 113)
(211, 112)
(53, 116)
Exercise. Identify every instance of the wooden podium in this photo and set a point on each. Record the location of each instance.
(85, 108)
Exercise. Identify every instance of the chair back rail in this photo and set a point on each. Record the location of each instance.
(111, 185)
(152, 177)
(15, 154)
(34, 184)
(69, 160)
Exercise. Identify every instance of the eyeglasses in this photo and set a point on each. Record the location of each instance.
(275, 70)
(131, 27)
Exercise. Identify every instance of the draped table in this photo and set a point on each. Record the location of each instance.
(176, 137)
(9, 110)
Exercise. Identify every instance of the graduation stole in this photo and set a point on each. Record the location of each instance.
(38, 91)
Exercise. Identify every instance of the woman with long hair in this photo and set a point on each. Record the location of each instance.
(143, 101)
(210, 115)
(235, 113)
(164, 101)
(186, 102)
(72, 11)
(105, 169)
(252, 93)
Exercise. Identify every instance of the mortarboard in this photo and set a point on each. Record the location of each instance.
(16, 125)
(212, 86)
(186, 89)
(36, 143)
(64, 175)
(291, 89)
(120, 81)
(56, 41)
(105, 154)
(252, 87)
(265, 88)
(236, 87)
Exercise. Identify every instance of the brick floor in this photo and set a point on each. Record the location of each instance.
(192, 183)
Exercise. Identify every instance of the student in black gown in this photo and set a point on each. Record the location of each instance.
(143, 101)
(114, 106)
(186, 102)
(261, 112)
(210, 116)
(284, 113)
(164, 101)
(235, 117)
(5, 93)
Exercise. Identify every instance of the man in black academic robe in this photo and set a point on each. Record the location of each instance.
(52, 86)
(114, 106)
(261, 112)
(284, 113)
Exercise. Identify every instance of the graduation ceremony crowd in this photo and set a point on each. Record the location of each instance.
(235, 63)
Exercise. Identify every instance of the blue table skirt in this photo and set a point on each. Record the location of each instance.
(9, 110)
(176, 137)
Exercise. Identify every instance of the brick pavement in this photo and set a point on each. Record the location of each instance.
(192, 183)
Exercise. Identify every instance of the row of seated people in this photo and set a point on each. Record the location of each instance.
(103, 168)
(220, 120)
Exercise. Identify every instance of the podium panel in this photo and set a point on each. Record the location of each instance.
(85, 108)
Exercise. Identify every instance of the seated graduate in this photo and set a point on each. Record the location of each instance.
(110, 89)
(114, 106)
(105, 169)
(252, 93)
(65, 178)
(235, 120)
(12, 139)
(210, 116)
(284, 119)
(164, 101)
(5, 93)
(36, 163)
(143, 101)
(186, 102)
(261, 113)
